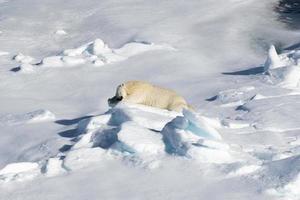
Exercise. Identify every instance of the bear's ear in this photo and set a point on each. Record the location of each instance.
(121, 91)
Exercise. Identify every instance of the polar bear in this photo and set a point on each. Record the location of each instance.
(140, 92)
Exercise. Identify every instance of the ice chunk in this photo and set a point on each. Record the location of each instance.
(140, 140)
(200, 126)
(193, 137)
(92, 123)
(84, 141)
(283, 70)
(105, 137)
(288, 77)
(273, 61)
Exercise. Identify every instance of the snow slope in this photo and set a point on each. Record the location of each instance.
(62, 60)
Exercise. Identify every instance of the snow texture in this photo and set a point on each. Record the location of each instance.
(96, 53)
(283, 69)
(236, 62)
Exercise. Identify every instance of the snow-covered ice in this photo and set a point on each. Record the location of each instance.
(236, 62)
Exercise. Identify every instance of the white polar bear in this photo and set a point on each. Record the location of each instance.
(140, 92)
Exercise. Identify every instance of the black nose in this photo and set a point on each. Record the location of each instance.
(119, 98)
(114, 100)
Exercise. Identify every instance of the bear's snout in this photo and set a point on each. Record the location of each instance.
(114, 100)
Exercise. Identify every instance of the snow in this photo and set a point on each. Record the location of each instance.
(192, 137)
(80, 158)
(4, 53)
(54, 167)
(30, 117)
(122, 136)
(23, 59)
(61, 61)
(61, 32)
(19, 171)
(96, 52)
(273, 61)
(283, 69)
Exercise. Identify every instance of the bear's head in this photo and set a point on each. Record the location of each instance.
(119, 96)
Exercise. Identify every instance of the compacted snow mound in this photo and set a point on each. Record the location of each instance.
(283, 69)
(97, 53)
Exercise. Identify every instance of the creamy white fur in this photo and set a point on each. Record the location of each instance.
(141, 92)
